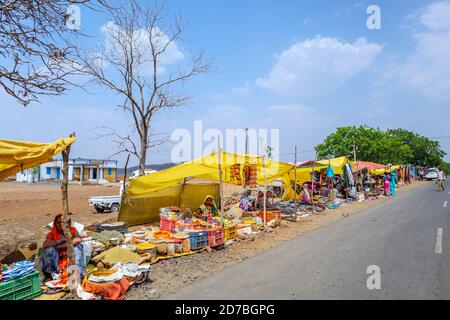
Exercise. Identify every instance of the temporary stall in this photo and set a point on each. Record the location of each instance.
(145, 195)
(304, 171)
(369, 165)
(16, 156)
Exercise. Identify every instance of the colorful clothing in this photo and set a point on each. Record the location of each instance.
(245, 203)
(205, 212)
(54, 260)
(393, 183)
(387, 186)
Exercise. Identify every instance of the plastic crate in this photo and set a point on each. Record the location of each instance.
(270, 215)
(215, 237)
(229, 233)
(198, 240)
(23, 288)
(167, 225)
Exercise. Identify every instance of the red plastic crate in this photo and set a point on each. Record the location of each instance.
(215, 238)
(167, 225)
(270, 215)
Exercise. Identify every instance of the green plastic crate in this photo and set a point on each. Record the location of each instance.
(23, 288)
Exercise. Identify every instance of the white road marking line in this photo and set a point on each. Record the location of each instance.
(438, 248)
(445, 204)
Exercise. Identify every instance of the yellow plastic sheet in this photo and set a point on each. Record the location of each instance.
(380, 172)
(16, 156)
(206, 168)
(142, 209)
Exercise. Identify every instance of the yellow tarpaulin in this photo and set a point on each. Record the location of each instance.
(380, 172)
(16, 156)
(206, 168)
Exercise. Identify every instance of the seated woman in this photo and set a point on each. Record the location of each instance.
(54, 258)
(306, 196)
(207, 209)
(245, 203)
(260, 200)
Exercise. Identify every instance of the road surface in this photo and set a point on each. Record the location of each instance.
(408, 238)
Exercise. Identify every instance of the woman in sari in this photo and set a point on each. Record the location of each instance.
(393, 183)
(207, 209)
(306, 196)
(54, 259)
(245, 203)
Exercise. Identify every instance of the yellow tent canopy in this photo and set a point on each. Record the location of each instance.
(16, 156)
(145, 195)
(379, 172)
(206, 168)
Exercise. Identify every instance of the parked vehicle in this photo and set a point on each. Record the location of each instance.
(105, 203)
(432, 174)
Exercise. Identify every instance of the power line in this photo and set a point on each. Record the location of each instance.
(444, 137)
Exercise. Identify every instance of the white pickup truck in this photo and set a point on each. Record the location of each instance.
(107, 203)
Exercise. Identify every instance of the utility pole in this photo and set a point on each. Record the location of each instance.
(246, 141)
(354, 149)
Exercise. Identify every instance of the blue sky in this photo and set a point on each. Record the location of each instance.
(304, 67)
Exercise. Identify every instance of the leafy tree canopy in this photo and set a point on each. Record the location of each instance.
(396, 146)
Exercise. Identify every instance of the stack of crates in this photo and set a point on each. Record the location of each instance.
(23, 288)
(167, 225)
(215, 237)
(230, 232)
(198, 239)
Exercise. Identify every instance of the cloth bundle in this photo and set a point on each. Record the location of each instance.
(171, 213)
(17, 270)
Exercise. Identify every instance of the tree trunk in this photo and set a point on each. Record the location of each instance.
(143, 153)
(65, 207)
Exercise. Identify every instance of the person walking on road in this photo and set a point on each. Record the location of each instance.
(440, 180)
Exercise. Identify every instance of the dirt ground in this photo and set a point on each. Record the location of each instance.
(25, 208)
(169, 276)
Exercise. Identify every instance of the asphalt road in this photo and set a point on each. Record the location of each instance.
(400, 236)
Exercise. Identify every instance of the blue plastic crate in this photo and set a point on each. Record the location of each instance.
(198, 239)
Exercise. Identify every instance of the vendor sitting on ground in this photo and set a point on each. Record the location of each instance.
(207, 209)
(54, 258)
(306, 195)
(259, 203)
(246, 204)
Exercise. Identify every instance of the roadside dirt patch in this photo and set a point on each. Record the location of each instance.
(25, 208)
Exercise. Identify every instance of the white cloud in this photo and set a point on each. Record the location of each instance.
(319, 66)
(437, 16)
(427, 69)
(141, 45)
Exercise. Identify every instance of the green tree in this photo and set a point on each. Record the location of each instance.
(392, 146)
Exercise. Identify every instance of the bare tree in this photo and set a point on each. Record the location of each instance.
(35, 47)
(136, 62)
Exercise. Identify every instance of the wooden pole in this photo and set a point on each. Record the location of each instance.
(65, 205)
(265, 184)
(220, 180)
(295, 179)
(312, 183)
